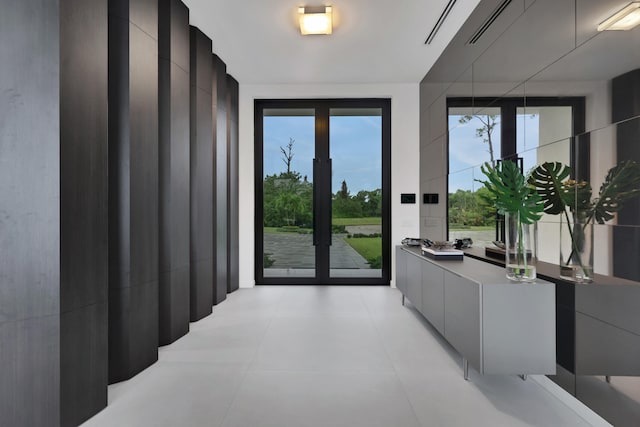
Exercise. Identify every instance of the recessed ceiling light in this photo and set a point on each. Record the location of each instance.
(315, 20)
(625, 19)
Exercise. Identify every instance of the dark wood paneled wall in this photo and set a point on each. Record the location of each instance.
(80, 265)
(202, 176)
(233, 254)
(219, 118)
(133, 187)
(83, 209)
(53, 183)
(30, 224)
(173, 92)
(625, 111)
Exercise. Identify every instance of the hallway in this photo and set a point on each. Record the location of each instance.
(321, 356)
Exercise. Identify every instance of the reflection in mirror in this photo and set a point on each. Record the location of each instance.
(553, 51)
(537, 126)
(549, 225)
(523, 49)
(470, 215)
(473, 138)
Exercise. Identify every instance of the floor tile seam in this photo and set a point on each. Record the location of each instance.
(321, 316)
(395, 369)
(235, 393)
(245, 373)
(324, 372)
(218, 364)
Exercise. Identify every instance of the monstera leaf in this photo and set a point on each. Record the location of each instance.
(622, 183)
(547, 179)
(557, 191)
(511, 192)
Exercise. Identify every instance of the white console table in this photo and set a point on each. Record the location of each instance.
(498, 326)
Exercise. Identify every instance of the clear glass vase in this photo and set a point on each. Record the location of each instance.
(521, 249)
(576, 248)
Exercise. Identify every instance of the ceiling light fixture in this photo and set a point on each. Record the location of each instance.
(315, 20)
(625, 19)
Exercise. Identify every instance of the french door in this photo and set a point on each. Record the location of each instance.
(322, 175)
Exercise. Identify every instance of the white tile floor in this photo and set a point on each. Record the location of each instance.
(321, 356)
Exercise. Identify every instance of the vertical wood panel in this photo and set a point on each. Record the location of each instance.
(201, 181)
(133, 187)
(219, 118)
(83, 209)
(173, 42)
(233, 258)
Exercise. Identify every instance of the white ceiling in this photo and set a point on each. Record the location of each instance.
(374, 41)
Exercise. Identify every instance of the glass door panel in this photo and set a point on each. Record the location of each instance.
(288, 192)
(355, 150)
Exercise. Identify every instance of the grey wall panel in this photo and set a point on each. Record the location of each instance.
(174, 172)
(219, 117)
(616, 305)
(144, 15)
(625, 105)
(83, 208)
(133, 189)
(84, 364)
(200, 64)
(29, 152)
(174, 305)
(53, 128)
(233, 249)
(603, 349)
(201, 176)
(31, 372)
(30, 225)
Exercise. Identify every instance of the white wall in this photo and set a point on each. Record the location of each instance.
(404, 155)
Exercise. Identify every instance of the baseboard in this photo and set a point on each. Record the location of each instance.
(577, 406)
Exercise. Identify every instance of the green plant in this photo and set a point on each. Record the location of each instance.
(338, 229)
(266, 260)
(511, 194)
(553, 182)
(375, 262)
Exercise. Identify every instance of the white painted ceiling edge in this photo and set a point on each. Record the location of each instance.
(374, 41)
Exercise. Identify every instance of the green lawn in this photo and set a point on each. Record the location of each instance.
(280, 230)
(473, 228)
(357, 221)
(367, 247)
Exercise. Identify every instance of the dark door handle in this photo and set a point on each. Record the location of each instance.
(315, 202)
(330, 178)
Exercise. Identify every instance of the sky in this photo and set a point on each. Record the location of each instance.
(355, 144)
(467, 152)
(356, 149)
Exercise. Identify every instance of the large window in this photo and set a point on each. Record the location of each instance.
(529, 130)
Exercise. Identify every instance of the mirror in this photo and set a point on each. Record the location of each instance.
(556, 89)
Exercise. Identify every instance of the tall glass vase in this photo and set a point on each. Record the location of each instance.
(576, 248)
(521, 249)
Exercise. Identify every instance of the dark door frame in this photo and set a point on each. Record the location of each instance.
(322, 225)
